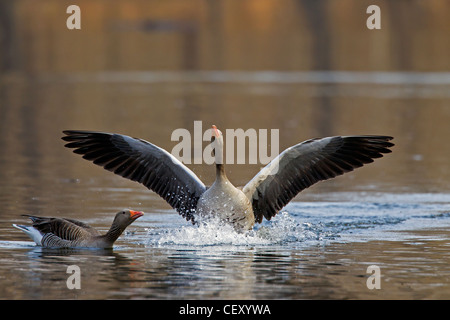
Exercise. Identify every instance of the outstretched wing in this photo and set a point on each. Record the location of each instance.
(141, 161)
(306, 163)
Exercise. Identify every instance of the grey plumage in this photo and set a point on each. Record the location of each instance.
(295, 169)
(141, 161)
(63, 232)
(306, 163)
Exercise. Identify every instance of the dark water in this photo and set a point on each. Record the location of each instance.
(314, 250)
(234, 64)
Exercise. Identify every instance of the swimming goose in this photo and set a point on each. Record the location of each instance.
(295, 169)
(62, 232)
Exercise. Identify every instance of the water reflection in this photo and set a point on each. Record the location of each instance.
(331, 272)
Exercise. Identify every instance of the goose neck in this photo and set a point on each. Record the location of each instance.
(113, 233)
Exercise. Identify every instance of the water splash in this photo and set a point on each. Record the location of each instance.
(285, 228)
(314, 223)
(214, 232)
(211, 233)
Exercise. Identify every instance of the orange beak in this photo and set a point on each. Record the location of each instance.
(135, 214)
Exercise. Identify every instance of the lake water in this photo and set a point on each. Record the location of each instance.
(394, 213)
(118, 76)
(318, 249)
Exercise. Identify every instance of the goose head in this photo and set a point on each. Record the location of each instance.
(125, 217)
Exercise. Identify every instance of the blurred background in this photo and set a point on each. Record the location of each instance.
(309, 68)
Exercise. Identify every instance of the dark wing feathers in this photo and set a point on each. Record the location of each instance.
(141, 161)
(66, 229)
(306, 163)
(295, 169)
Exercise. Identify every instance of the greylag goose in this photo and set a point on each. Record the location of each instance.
(293, 170)
(62, 232)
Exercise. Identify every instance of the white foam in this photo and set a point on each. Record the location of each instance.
(213, 232)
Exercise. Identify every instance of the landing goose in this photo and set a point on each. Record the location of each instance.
(295, 169)
(62, 232)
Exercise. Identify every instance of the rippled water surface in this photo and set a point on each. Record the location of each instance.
(306, 68)
(314, 249)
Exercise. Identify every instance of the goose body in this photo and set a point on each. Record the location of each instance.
(227, 202)
(62, 232)
(292, 171)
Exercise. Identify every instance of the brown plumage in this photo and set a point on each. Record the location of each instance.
(295, 169)
(63, 232)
